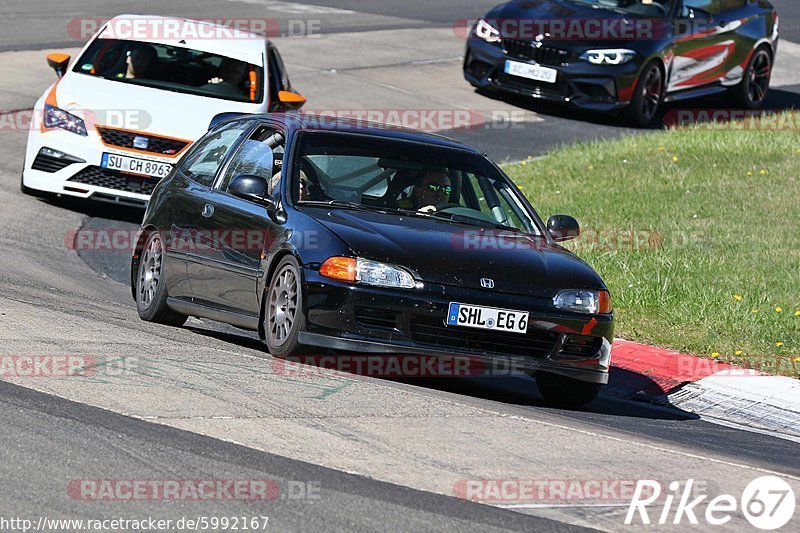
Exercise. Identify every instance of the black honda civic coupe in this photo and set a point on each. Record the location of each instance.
(625, 55)
(350, 236)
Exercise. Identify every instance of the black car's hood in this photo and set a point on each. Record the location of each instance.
(553, 11)
(441, 251)
(550, 9)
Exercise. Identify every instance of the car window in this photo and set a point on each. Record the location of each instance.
(714, 6)
(255, 157)
(173, 68)
(202, 164)
(384, 173)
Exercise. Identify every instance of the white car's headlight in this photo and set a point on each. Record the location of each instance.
(487, 32)
(615, 56)
(367, 272)
(584, 301)
(58, 118)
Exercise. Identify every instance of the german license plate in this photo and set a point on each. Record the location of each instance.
(475, 316)
(135, 165)
(532, 72)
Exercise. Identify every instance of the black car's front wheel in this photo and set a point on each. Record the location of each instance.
(647, 96)
(283, 312)
(752, 91)
(565, 392)
(151, 285)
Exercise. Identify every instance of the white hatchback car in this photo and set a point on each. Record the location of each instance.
(120, 116)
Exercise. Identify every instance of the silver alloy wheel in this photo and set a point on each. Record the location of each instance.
(282, 306)
(150, 271)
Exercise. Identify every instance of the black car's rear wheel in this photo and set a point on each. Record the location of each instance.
(283, 313)
(151, 285)
(564, 391)
(647, 95)
(752, 91)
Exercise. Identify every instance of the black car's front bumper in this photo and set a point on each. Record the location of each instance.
(363, 319)
(579, 83)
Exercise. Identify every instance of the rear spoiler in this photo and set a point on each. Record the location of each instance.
(225, 117)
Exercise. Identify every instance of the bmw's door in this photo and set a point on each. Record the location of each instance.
(707, 44)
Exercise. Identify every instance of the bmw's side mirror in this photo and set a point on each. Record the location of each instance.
(563, 228)
(254, 189)
(58, 62)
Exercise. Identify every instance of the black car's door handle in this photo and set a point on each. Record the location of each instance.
(208, 211)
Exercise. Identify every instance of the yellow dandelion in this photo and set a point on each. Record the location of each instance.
(754, 310)
(675, 158)
(738, 352)
(762, 171)
(715, 355)
(779, 344)
(750, 173)
(797, 313)
(778, 309)
(796, 359)
(591, 167)
(524, 163)
(661, 149)
(737, 297)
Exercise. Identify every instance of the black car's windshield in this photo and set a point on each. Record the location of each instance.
(360, 171)
(645, 8)
(173, 68)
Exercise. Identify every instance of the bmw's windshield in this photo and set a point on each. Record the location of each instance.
(370, 172)
(173, 68)
(644, 8)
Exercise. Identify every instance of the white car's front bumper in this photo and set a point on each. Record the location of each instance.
(86, 179)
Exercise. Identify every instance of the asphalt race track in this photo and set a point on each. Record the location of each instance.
(208, 402)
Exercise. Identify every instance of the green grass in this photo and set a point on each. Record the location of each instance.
(715, 213)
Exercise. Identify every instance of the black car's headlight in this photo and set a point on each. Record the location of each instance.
(611, 56)
(367, 272)
(58, 118)
(584, 301)
(487, 32)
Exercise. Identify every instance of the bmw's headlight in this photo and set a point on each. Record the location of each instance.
(367, 272)
(615, 56)
(584, 301)
(58, 118)
(487, 32)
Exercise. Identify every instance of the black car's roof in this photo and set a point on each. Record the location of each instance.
(299, 121)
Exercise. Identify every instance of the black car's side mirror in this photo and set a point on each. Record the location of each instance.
(563, 228)
(254, 189)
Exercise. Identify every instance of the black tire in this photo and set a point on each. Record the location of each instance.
(151, 286)
(566, 392)
(284, 317)
(647, 95)
(753, 89)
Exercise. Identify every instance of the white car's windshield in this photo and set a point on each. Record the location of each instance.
(173, 68)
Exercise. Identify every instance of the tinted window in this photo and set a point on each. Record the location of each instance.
(406, 176)
(714, 6)
(204, 161)
(255, 157)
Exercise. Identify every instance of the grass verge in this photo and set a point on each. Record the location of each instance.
(696, 231)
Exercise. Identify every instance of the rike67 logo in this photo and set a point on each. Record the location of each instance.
(768, 503)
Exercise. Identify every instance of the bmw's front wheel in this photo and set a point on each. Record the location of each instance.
(151, 285)
(283, 309)
(647, 95)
